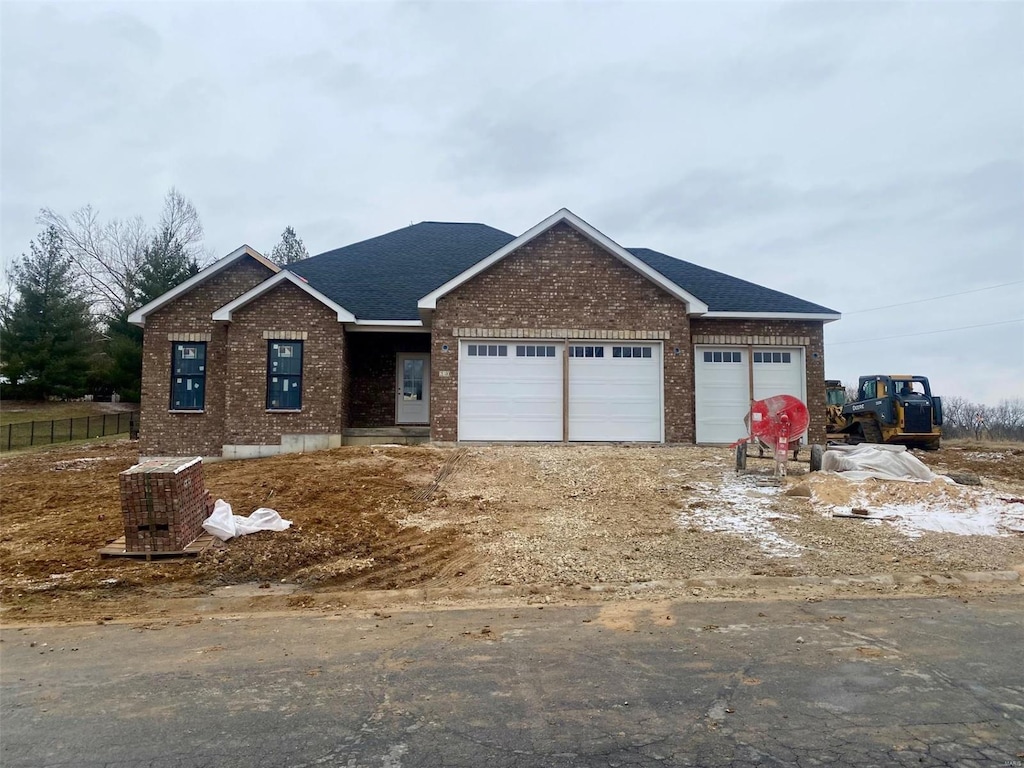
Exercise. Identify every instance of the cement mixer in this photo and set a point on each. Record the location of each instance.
(776, 423)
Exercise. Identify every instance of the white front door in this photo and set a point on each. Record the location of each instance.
(413, 391)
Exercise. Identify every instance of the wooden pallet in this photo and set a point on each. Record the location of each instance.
(116, 549)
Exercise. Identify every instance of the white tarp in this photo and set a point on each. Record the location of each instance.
(884, 462)
(225, 525)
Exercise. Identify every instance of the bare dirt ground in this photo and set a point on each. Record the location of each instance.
(529, 522)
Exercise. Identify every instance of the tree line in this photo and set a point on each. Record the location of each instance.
(64, 330)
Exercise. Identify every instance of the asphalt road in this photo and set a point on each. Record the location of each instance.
(914, 682)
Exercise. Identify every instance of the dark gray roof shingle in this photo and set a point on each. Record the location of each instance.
(384, 277)
(722, 292)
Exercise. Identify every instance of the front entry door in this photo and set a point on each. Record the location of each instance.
(413, 389)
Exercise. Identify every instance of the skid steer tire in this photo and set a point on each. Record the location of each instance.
(817, 454)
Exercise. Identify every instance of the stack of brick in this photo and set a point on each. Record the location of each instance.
(164, 504)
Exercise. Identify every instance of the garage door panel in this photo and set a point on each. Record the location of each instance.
(615, 398)
(510, 397)
(722, 384)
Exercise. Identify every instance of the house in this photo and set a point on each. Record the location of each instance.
(464, 332)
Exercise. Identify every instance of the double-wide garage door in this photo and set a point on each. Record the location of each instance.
(722, 378)
(513, 390)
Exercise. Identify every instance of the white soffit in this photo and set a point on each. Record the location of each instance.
(824, 317)
(224, 313)
(138, 317)
(694, 305)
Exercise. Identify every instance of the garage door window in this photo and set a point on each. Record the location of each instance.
(586, 351)
(631, 351)
(487, 350)
(533, 350)
(725, 357)
(772, 357)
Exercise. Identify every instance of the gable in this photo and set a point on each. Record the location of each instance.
(239, 270)
(694, 305)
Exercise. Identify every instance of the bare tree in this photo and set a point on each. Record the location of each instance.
(107, 255)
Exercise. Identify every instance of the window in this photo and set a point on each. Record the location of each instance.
(188, 376)
(631, 351)
(533, 350)
(773, 357)
(725, 357)
(487, 350)
(284, 375)
(586, 351)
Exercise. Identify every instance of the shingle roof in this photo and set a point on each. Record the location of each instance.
(722, 292)
(383, 278)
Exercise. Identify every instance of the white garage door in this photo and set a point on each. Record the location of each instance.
(615, 392)
(510, 391)
(722, 383)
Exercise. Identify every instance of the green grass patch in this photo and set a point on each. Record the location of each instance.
(21, 411)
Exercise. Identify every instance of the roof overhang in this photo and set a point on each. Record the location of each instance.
(224, 313)
(138, 317)
(694, 305)
(821, 317)
(387, 326)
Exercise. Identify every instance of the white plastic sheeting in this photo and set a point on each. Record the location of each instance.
(225, 525)
(884, 462)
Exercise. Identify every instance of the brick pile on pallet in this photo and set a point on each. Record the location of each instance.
(164, 504)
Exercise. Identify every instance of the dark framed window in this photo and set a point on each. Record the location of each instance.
(586, 351)
(284, 375)
(188, 376)
(631, 352)
(773, 357)
(534, 350)
(725, 357)
(487, 350)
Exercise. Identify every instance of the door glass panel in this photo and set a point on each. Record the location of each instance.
(412, 380)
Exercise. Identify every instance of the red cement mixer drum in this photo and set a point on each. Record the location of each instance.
(778, 419)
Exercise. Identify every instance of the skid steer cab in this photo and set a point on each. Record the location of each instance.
(895, 410)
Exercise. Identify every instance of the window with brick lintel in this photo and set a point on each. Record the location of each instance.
(284, 375)
(188, 376)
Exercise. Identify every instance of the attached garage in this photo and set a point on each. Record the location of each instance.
(722, 377)
(514, 390)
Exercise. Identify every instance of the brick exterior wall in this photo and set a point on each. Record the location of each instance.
(162, 433)
(372, 374)
(562, 282)
(806, 333)
(285, 312)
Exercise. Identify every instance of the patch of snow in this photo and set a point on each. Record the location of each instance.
(983, 515)
(740, 507)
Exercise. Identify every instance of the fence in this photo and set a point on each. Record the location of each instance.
(30, 433)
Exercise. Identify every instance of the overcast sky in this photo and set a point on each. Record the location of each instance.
(856, 155)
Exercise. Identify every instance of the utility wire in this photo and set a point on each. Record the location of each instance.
(928, 333)
(933, 298)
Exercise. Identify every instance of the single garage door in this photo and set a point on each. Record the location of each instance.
(615, 392)
(510, 391)
(722, 384)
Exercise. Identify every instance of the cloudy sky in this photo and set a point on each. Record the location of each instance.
(857, 155)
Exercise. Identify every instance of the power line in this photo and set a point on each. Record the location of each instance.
(928, 333)
(934, 298)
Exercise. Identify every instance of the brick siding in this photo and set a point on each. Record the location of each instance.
(372, 374)
(562, 283)
(161, 432)
(284, 312)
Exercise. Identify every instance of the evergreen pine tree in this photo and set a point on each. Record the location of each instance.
(291, 248)
(47, 335)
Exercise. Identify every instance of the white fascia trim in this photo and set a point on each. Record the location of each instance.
(224, 313)
(138, 317)
(821, 316)
(695, 305)
(393, 326)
